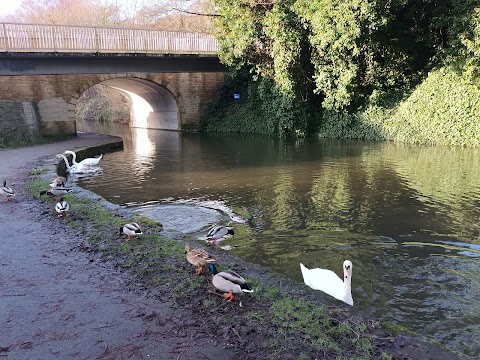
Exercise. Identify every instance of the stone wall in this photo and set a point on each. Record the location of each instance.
(19, 121)
(56, 95)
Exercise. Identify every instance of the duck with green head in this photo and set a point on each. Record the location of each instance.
(240, 219)
(229, 282)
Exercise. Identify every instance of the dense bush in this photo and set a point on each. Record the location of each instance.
(352, 69)
(262, 109)
(443, 110)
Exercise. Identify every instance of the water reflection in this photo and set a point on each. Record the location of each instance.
(406, 216)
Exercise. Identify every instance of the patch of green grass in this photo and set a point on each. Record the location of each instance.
(385, 356)
(277, 351)
(257, 316)
(94, 238)
(146, 221)
(94, 212)
(207, 303)
(302, 356)
(35, 187)
(37, 171)
(364, 345)
(172, 248)
(396, 329)
(312, 322)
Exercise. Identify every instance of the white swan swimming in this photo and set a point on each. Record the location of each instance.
(328, 282)
(78, 168)
(88, 162)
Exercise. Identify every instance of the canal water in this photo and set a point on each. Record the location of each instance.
(406, 216)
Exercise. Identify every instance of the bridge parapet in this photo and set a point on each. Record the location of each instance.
(88, 39)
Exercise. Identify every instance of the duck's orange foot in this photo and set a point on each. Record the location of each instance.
(59, 216)
(228, 296)
(199, 270)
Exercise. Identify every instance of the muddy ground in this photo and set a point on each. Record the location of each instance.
(63, 298)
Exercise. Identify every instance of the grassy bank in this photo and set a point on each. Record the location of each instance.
(276, 321)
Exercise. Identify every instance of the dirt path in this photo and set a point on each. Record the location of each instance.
(59, 302)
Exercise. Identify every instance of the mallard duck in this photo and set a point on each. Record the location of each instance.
(217, 232)
(6, 191)
(62, 207)
(229, 282)
(59, 181)
(198, 257)
(131, 229)
(241, 219)
(328, 282)
(88, 162)
(57, 191)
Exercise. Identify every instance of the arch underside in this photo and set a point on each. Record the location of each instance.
(152, 106)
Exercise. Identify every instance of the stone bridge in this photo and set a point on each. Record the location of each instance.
(167, 85)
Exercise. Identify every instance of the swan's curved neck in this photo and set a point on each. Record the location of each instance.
(74, 156)
(66, 161)
(347, 287)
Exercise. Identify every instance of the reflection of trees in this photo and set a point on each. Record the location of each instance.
(330, 193)
(450, 178)
(281, 213)
(364, 193)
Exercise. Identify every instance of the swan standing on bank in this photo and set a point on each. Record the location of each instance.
(88, 162)
(328, 282)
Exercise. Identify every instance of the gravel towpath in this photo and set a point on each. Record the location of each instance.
(59, 302)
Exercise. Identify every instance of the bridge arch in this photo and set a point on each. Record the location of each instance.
(154, 104)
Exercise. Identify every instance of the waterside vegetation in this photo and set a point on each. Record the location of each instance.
(403, 71)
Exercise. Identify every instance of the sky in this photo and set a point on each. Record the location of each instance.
(8, 7)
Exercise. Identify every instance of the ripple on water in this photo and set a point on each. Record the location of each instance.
(183, 218)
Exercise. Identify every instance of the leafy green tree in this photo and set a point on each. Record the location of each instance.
(346, 50)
